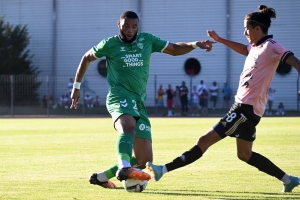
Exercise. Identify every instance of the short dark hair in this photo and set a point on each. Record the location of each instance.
(261, 18)
(129, 14)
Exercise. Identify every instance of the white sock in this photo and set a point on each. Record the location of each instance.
(102, 177)
(164, 169)
(286, 179)
(123, 164)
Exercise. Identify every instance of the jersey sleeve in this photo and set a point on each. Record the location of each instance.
(158, 45)
(101, 49)
(278, 52)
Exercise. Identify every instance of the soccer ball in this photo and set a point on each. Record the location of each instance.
(132, 185)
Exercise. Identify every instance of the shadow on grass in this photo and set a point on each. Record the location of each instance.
(225, 194)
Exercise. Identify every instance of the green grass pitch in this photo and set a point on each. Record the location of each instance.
(53, 158)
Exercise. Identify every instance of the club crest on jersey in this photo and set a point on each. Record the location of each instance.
(122, 49)
(141, 39)
(140, 45)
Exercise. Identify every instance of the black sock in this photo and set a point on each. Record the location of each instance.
(265, 165)
(186, 158)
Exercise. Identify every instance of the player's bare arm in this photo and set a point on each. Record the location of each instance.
(84, 64)
(180, 48)
(293, 61)
(238, 47)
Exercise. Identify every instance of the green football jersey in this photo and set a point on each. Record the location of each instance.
(128, 63)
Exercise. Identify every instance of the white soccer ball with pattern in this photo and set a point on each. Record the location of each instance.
(132, 185)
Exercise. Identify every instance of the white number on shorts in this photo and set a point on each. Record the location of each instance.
(231, 117)
(134, 107)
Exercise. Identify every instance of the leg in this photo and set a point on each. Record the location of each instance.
(143, 151)
(182, 104)
(203, 143)
(224, 102)
(244, 151)
(126, 126)
(270, 107)
(102, 178)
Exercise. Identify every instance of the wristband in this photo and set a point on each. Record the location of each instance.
(194, 44)
(76, 85)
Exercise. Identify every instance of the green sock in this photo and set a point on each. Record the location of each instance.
(111, 172)
(124, 146)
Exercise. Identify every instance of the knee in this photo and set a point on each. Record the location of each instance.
(210, 138)
(203, 143)
(244, 156)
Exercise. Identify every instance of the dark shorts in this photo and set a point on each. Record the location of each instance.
(239, 122)
(227, 97)
(213, 98)
(203, 103)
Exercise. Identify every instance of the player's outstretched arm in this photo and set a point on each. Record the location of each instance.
(84, 64)
(180, 48)
(238, 47)
(294, 61)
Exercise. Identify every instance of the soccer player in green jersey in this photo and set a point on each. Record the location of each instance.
(127, 58)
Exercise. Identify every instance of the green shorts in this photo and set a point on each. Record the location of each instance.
(123, 102)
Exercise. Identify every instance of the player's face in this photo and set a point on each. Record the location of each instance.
(251, 33)
(128, 28)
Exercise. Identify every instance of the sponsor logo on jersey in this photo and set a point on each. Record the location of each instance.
(140, 45)
(141, 39)
(142, 127)
(122, 49)
(133, 60)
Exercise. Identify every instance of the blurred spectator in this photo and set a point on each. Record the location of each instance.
(214, 94)
(271, 94)
(280, 109)
(201, 87)
(88, 101)
(204, 102)
(184, 98)
(226, 95)
(170, 97)
(62, 101)
(96, 101)
(160, 100)
(195, 102)
(177, 103)
(44, 101)
(70, 85)
(67, 101)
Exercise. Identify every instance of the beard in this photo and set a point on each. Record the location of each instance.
(124, 39)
